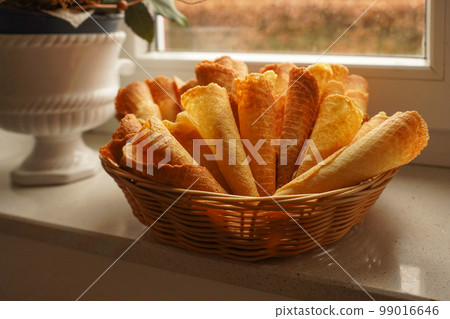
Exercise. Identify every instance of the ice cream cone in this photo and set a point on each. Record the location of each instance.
(210, 107)
(370, 125)
(186, 132)
(333, 87)
(302, 101)
(239, 66)
(211, 72)
(257, 118)
(136, 99)
(394, 143)
(340, 72)
(156, 155)
(357, 89)
(322, 72)
(336, 125)
(164, 94)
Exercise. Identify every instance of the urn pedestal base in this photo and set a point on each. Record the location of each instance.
(57, 160)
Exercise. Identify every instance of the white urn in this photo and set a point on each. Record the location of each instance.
(55, 87)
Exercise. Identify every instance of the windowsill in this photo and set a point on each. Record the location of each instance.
(368, 66)
(398, 251)
(301, 59)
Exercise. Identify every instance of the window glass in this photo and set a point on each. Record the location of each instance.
(390, 27)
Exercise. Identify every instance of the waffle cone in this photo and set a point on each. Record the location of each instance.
(180, 86)
(165, 96)
(356, 82)
(300, 112)
(333, 87)
(239, 66)
(359, 98)
(268, 67)
(370, 125)
(136, 99)
(183, 176)
(282, 83)
(280, 105)
(340, 72)
(185, 131)
(336, 125)
(180, 170)
(281, 86)
(357, 89)
(177, 84)
(129, 126)
(211, 72)
(154, 135)
(395, 142)
(210, 108)
(257, 118)
(322, 72)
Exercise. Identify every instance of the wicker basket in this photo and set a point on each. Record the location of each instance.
(246, 228)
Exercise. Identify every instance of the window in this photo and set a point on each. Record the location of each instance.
(395, 27)
(412, 75)
(394, 39)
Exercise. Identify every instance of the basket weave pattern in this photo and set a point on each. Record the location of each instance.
(246, 228)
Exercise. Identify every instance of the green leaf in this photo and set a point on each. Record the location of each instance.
(139, 19)
(167, 9)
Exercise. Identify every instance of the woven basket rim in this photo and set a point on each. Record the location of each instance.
(140, 181)
(246, 228)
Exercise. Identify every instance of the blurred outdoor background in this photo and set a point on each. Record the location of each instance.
(390, 27)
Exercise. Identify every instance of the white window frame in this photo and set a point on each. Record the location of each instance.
(431, 67)
(396, 83)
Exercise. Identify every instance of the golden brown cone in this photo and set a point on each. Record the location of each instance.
(357, 83)
(269, 67)
(359, 98)
(337, 123)
(333, 87)
(279, 115)
(370, 125)
(257, 118)
(113, 150)
(322, 73)
(136, 99)
(340, 72)
(188, 85)
(239, 66)
(185, 131)
(281, 86)
(129, 125)
(177, 85)
(182, 176)
(357, 89)
(394, 143)
(179, 171)
(154, 134)
(300, 112)
(164, 94)
(210, 107)
(211, 72)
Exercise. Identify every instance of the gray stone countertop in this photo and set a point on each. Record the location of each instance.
(401, 250)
